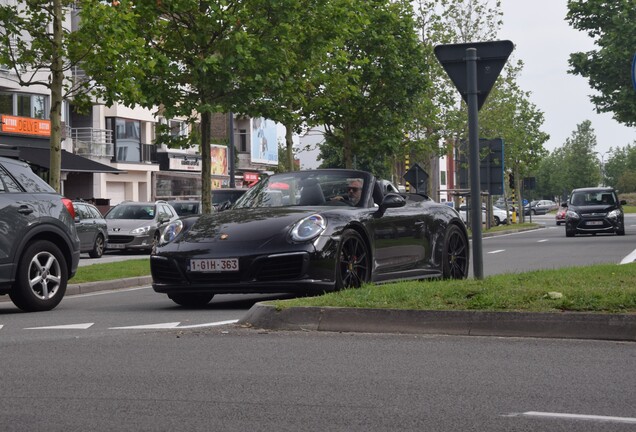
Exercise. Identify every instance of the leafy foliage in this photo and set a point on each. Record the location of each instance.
(611, 25)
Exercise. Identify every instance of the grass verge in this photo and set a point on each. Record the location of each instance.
(110, 271)
(606, 288)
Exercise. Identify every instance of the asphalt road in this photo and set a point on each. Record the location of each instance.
(233, 379)
(132, 360)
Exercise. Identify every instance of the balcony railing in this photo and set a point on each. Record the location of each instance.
(92, 142)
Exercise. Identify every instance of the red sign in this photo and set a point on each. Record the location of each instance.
(26, 125)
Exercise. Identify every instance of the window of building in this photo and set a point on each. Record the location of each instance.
(126, 137)
(6, 103)
(442, 178)
(243, 141)
(24, 105)
(178, 128)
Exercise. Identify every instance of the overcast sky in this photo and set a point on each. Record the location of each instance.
(543, 41)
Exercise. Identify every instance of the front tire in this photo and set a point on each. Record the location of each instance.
(354, 262)
(98, 247)
(192, 300)
(41, 279)
(569, 232)
(455, 254)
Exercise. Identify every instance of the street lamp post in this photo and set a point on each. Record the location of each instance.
(603, 167)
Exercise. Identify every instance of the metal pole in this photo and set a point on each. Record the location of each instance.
(473, 140)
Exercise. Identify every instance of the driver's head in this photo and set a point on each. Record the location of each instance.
(354, 190)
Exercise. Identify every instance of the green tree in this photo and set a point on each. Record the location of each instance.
(580, 164)
(620, 161)
(509, 114)
(550, 177)
(373, 83)
(441, 115)
(627, 182)
(40, 52)
(319, 36)
(611, 25)
(193, 58)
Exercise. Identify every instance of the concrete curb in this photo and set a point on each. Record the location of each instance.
(89, 287)
(570, 325)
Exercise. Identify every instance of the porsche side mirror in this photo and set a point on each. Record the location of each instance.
(392, 200)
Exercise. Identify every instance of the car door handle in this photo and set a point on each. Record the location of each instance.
(25, 210)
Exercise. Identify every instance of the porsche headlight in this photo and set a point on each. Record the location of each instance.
(171, 231)
(308, 228)
(141, 230)
(614, 214)
(572, 214)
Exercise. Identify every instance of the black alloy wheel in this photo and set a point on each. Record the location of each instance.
(191, 300)
(353, 265)
(41, 279)
(455, 254)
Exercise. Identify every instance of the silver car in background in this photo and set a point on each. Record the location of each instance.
(137, 225)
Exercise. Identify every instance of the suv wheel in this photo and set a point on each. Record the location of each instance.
(41, 279)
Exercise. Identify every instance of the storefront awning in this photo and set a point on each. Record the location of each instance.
(70, 162)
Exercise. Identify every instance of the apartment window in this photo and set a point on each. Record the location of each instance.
(126, 137)
(178, 128)
(243, 141)
(442, 178)
(6, 103)
(24, 105)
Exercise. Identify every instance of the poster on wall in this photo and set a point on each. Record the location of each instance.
(218, 159)
(264, 141)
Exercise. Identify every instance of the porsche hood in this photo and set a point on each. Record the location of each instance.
(245, 225)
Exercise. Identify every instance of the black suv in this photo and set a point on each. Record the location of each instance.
(594, 210)
(39, 247)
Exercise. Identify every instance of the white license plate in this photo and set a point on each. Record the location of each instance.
(115, 246)
(595, 223)
(214, 265)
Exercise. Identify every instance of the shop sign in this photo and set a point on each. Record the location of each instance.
(26, 125)
(185, 164)
(250, 177)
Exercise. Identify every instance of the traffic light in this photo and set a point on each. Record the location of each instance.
(511, 179)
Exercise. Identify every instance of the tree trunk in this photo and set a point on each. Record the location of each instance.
(57, 79)
(347, 152)
(206, 181)
(289, 141)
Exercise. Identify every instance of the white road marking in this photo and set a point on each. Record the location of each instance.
(148, 326)
(63, 327)
(214, 324)
(497, 251)
(629, 258)
(173, 325)
(630, 420)
(541, 241)
(1, 326)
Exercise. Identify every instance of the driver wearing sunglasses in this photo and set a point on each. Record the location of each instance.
(354, 192)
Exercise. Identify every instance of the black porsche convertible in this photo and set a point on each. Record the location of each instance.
(307, 232)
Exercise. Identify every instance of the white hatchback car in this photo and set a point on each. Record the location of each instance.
(499, 215)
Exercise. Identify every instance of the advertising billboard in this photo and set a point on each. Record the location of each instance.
(218, 159)
(264, 143)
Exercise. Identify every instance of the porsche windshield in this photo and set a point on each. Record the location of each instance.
(306, 188)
